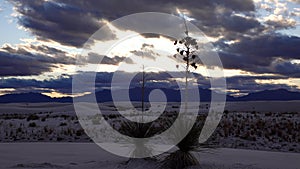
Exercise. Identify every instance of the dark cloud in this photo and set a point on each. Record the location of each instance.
(145, 45)
(146, 51)
(285, 67)
(63, 84)
(72, 22)
(147, 54)
(239, 24)
(261, 54)
(248, 84)
(65, 23)
(268, 46)
(23, 62)
(27, 60)
(257, 49)
(94, 58)
(283, 46)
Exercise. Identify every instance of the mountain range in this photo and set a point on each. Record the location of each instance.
(172, 95)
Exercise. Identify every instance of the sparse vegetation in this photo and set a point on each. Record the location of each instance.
(276, 132)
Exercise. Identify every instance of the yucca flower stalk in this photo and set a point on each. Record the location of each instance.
(182, 158)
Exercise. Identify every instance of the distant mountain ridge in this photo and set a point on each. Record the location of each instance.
(271, 95)
(172, 95)
(32, 98)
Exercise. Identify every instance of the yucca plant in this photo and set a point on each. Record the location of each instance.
(136, 131)
(183, 157)
(187, 48)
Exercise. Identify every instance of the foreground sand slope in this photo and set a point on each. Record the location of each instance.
(89, 156)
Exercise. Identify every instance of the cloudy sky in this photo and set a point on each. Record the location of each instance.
(258, 42)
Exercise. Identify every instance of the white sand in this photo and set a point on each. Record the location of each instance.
(90, 156)
(259, 106)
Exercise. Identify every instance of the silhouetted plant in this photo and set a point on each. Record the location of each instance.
(182, 158)
(186, 48)
(136, 131)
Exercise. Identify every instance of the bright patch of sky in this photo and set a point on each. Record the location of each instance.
(283, 11)
(11, 33)
(295, 8)
(289, 81)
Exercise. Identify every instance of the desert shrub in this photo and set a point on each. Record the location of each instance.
(64, 116)
(32, 124)
(59, 139)
(63, 124)
(268, 114)
(19, 130)
(33, 117)
(79, 132)
(96, 120)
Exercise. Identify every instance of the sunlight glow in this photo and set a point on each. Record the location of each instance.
(5, 91)
(290, 82)
(59, 95)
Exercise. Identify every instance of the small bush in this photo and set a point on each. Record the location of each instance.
(19, 130)
(79, 132)
(33, 117)
(32, 124)
(59, 139)
(63, 124)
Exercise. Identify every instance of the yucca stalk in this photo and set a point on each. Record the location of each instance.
(183, 157)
